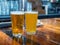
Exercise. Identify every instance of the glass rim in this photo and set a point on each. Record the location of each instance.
(16, 12)
(33, 12)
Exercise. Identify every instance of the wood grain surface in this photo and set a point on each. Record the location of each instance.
(6, 40)
(43, 36)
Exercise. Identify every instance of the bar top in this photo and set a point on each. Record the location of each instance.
(40, 38)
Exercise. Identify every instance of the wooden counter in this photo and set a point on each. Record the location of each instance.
(44, 36)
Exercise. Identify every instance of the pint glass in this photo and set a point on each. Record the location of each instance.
(17, 18)
(30, 21)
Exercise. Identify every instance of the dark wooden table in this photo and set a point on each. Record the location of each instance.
(40, 38)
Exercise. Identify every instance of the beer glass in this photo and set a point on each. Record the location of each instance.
(17, 18)
(30, 21)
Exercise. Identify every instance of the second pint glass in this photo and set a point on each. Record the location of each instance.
(31, 21)
(17, 18)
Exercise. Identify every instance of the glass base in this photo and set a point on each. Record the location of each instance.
(30, 33)
(17, 35)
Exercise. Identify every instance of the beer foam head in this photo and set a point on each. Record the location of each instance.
(17, 12)
(32, 12)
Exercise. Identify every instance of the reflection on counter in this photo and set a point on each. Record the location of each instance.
(53, 29)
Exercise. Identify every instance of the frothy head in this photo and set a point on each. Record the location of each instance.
(17, 12)
(32, 12)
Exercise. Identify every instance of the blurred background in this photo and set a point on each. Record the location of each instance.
(44, 7)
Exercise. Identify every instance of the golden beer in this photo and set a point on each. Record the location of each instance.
(17, 18)
(30, 21)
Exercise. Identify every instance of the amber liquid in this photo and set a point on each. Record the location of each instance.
(31, 20)
(17, 23)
